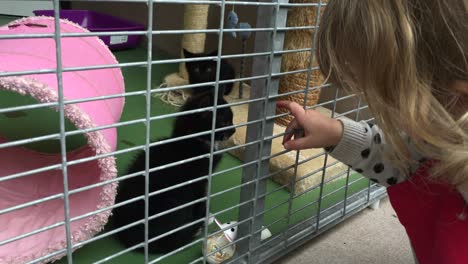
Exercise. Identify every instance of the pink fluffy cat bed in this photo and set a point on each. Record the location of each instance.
(39, 53)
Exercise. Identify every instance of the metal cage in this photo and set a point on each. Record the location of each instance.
(269, 34)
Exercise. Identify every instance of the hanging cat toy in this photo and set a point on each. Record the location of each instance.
(232, 23)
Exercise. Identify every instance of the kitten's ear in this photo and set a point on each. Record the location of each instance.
(187, 54)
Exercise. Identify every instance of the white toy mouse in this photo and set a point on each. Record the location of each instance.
(231, 229)
(217, 244)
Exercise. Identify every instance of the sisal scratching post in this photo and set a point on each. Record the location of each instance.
(299, 39)
(195, 18)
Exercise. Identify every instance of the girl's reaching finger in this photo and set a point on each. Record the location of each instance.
(297, 144)
(292, 126)
(296, 110)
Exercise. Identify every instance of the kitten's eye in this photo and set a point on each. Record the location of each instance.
(208, 70)
(196, 69)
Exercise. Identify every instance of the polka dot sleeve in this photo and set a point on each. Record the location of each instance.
(361, 148)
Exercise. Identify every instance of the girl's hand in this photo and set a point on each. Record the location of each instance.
(318, 130)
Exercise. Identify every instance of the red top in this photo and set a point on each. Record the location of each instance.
(433, 215)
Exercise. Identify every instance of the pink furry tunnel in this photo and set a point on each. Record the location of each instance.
(33, 218)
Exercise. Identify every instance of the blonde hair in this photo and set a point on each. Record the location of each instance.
(405, 56)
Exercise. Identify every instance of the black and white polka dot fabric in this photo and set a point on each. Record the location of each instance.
(362, 147)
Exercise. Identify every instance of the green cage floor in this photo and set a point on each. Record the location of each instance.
(133, 135)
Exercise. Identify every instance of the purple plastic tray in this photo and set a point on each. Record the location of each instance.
(98, 22)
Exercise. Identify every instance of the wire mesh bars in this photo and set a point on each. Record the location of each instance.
(244, 188)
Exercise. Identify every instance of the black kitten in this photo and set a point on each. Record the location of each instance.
(205, 71)
(165, 154)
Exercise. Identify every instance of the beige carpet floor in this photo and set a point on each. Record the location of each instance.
(370, 237)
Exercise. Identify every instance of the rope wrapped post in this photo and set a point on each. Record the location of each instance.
(195, 18)
(299, 39)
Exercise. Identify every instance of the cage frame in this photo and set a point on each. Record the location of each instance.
(270, 37)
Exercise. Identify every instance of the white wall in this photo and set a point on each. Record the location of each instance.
(23, 8)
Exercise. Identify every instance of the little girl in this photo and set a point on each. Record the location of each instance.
(409, 61)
